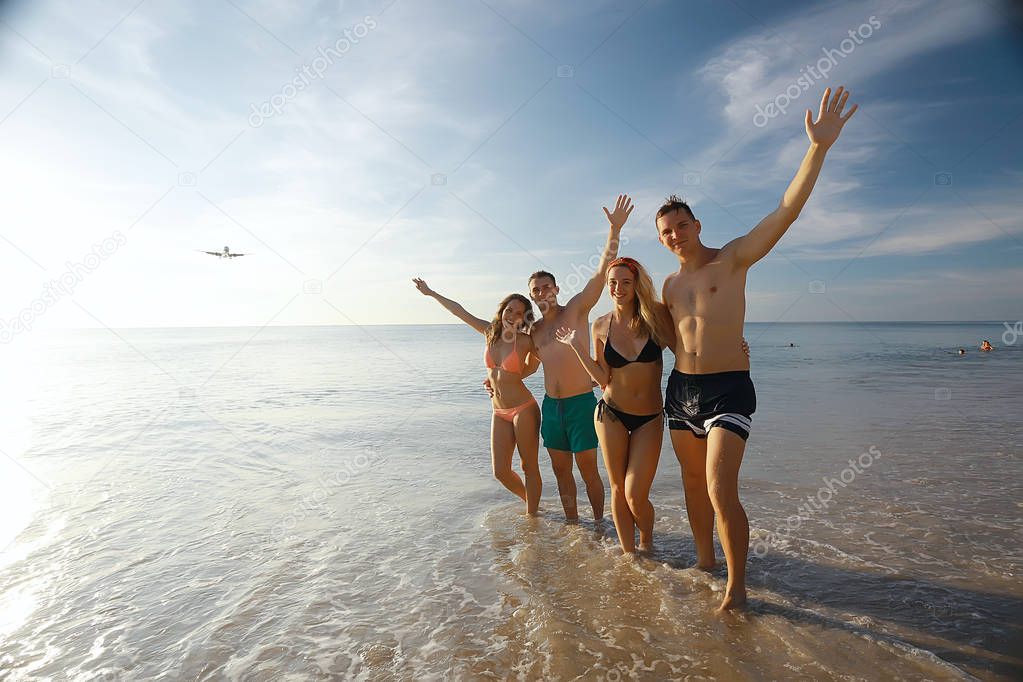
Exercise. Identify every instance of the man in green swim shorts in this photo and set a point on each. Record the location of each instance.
(566, 423)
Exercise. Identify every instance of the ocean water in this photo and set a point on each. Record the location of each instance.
(317, 503)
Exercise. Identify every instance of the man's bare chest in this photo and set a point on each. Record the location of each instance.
(699, 292)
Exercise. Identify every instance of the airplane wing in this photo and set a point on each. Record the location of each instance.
(212, 253)
(235, 255)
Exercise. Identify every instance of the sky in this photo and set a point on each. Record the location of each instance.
(349, 146)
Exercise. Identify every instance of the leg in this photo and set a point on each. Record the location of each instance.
(644, 452)
(580, 415)
(587, 463)
(561, 461)
(527, 437)
(614, 443)
(724, 456)
(692, 458)
(502, 447)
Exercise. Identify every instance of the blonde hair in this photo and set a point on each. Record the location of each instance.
(650, 316)
(493, 332)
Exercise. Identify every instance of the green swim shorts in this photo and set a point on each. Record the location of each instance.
(567, 423)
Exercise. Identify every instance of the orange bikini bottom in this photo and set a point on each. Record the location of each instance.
(508, 413)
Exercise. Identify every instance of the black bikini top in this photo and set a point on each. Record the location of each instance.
(651, 352)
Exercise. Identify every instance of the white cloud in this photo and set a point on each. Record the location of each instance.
(928, 227)
(756, 68)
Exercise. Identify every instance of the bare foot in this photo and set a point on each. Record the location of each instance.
(646, 547)
(572, 520)
(708, 568)
(732, 601)
(646, 541)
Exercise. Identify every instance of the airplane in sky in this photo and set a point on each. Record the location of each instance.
(226, 253)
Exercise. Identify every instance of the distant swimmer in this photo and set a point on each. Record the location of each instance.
(962, 351)
(986, 346)
(226, 253)
(792, 345)
(510, 356)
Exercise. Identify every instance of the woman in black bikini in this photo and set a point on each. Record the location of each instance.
(628, 416)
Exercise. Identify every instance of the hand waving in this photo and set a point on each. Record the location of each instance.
(830, 120)
(565, 335)
(623, 208)
(422, 286)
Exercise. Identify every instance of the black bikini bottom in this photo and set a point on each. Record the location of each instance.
(631, 422)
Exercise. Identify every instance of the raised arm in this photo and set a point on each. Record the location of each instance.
(588, 297)
(600, 372)
(452, 307)
(822, 133)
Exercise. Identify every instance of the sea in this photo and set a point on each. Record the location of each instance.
(314, 503)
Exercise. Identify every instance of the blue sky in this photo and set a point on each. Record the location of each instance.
(473, 142)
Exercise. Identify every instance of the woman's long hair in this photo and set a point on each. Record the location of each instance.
(494, 331)
(650, 315)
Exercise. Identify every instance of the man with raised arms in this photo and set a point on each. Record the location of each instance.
(710, 398)
(567, 411)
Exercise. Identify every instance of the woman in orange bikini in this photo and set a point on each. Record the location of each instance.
(510, 356)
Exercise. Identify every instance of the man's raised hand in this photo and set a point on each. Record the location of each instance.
(623, 208)
(824, 131)
(588, 297)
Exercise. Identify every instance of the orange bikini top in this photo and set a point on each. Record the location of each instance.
(511, 363)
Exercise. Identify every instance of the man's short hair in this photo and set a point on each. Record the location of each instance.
(674, 203)
(542, 273)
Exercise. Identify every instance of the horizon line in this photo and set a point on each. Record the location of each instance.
(458, 324)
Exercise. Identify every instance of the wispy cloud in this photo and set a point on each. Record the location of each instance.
(924, 229)
(756, 68)
(363, 160)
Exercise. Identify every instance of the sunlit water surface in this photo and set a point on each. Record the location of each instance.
(314, 503)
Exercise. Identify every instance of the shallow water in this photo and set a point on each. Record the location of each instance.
(308, 503)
